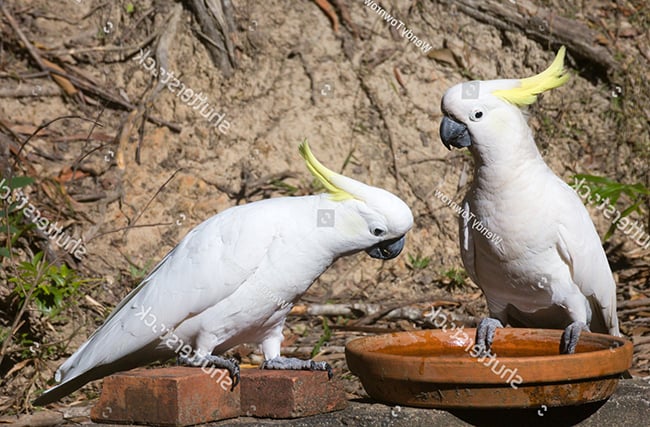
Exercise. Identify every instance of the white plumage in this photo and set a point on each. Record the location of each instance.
(547, 268)
(234, 277)
(549, 255)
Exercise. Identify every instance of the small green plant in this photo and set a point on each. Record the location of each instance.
(51, 287)
(284, 187)
(454, 277)
(29, 348)
(605, 191)
(47, 285)
(11, 220)
(139, 273)
(130, 8)
(418, 262)
(324, 338)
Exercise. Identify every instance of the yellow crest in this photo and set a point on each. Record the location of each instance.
(323, 174)
(530, 87)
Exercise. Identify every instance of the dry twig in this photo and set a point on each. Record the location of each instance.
(539, 24)
(217, 28)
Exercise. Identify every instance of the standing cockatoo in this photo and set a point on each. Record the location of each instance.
(234, 278)
(547, 268)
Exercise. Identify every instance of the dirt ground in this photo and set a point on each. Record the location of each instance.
(367, 100)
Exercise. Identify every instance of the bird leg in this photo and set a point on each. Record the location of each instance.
(295, 364)
(203, 360)
(570, 337)
(485, 334)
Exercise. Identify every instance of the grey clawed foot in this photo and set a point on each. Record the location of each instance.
(485, 334)
(231, 365)
(570, 337)
(295, 364)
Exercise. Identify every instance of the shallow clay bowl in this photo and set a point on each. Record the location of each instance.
(436, 369)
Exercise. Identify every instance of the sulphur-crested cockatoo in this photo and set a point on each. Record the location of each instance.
(234, 278)
(526, 238)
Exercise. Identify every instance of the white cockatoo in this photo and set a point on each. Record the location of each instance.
(234, 278)
(526, 239)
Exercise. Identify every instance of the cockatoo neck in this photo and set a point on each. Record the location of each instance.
(502, 161)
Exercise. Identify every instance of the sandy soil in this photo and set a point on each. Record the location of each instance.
(368, 101)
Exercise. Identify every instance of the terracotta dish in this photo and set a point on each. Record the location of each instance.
(437, 369)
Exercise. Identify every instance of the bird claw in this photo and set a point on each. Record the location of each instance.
(235, 373)
(322, 366)
(231, 365)
(570, 337)
(485, 334)
(292, 363)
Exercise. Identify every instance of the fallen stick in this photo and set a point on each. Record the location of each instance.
(63, 78)
(115, 99)
(364, 311)
(125, 51)
(14, 25)
(634, 303)
(330, 12)
(215, 17)
(539, 24)
(32, 90)
(633, 310)
(366, 329)
(638, 341)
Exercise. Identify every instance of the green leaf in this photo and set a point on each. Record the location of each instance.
(18, 182)
(327, 335)
(610, 191)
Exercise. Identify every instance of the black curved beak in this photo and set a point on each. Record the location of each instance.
(454, 133)
(388, 249)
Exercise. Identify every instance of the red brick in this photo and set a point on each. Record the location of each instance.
(289, 394)
(175, 396)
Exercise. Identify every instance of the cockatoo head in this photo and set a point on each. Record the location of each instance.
(374, 219)
(485, 115)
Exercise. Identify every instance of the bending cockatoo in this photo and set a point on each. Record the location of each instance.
(234, 278)
(546, 268)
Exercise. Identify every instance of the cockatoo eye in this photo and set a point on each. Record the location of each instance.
(476, 115)
(377, 231)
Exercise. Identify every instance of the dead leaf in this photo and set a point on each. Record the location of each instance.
(602, 40)
(124, 135)
(444, 56)
(66, 175)
(17, 367)
(65, 84)
(330, 12)
(95, 303)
